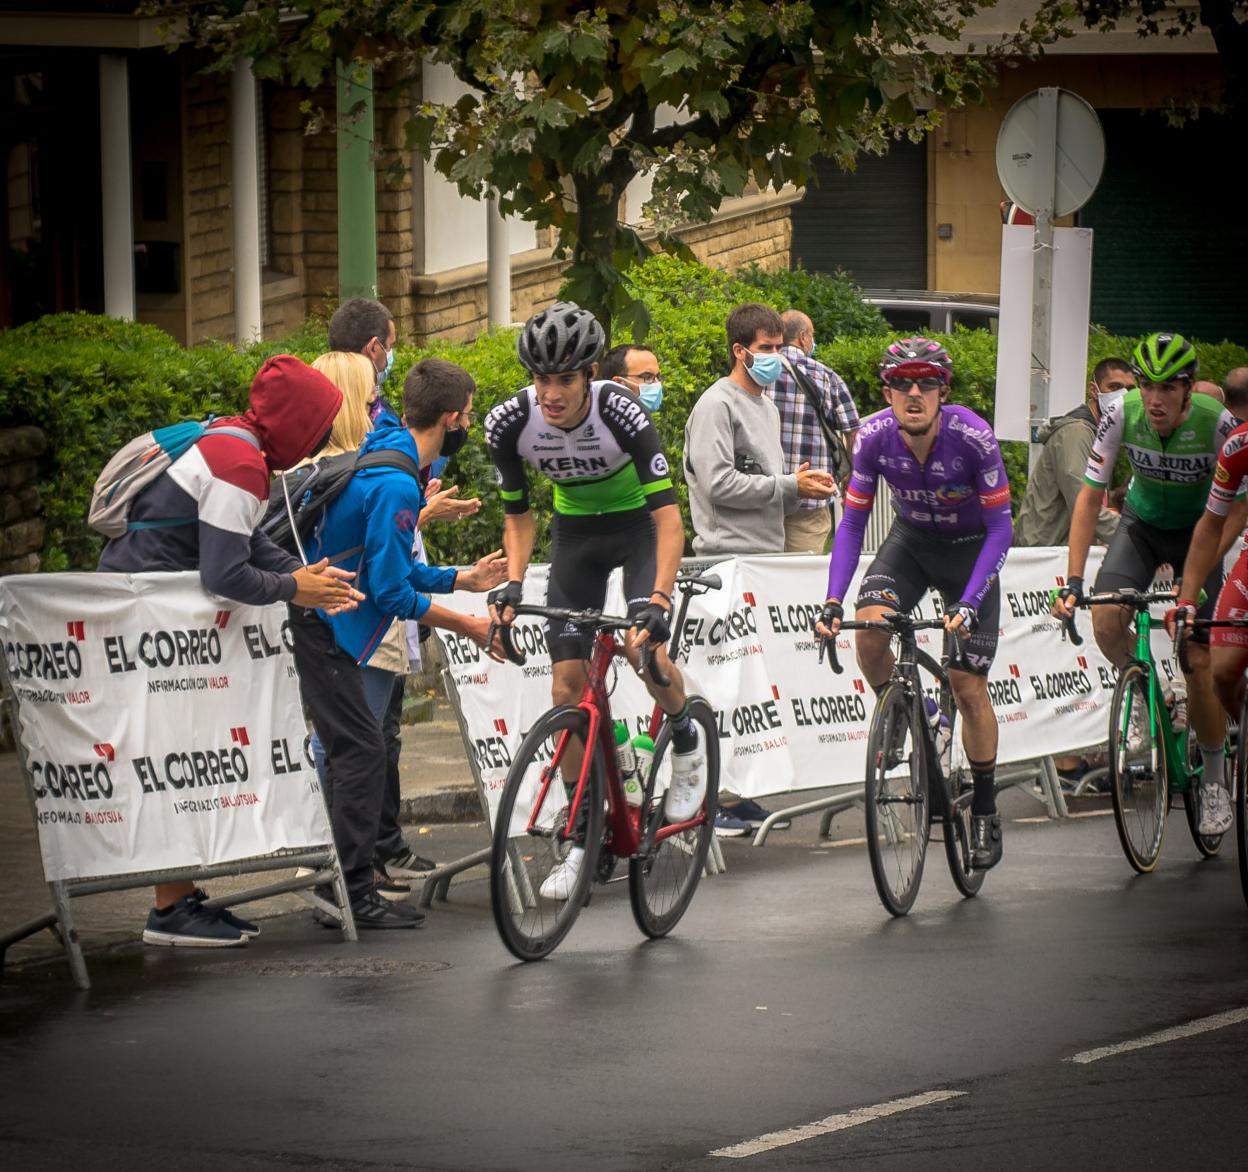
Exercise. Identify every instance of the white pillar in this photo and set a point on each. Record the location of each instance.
(118, 201)
(248, 306)
(498, 265)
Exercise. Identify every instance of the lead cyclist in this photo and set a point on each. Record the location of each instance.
(1172, 439)
(952, 532)
(614, 507)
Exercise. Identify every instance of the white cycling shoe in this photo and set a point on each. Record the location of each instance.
(1215, 810)
(688, 785)
(562, 878)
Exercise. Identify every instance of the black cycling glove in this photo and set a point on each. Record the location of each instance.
(1072, 589)
(655, 620)
(969, 616)
(506, 597)
(832, 612)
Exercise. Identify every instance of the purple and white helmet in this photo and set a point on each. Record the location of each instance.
(917, 358)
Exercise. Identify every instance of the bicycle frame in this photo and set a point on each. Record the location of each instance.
(909, 659)
(1173, 742)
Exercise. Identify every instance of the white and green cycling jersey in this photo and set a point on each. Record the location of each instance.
(611, 463)
(1170, 476)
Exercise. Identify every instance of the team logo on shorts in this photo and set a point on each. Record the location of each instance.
(658, 465)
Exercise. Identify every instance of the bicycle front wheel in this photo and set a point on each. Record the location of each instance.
(536, 892)
(896, 800)
(1207, 844)
(1137, 771)
(662, 882)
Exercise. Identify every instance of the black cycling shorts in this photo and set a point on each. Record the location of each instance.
(912, 561)
(583, 553)
(1136, 550)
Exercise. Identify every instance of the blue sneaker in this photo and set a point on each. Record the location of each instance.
(246, 927)
(188, 924)
(754, 815)
(727, 825)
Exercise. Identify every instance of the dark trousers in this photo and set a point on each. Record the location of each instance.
(355, 754)
(390, 841)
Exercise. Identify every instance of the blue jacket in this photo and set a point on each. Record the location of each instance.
(378, 510)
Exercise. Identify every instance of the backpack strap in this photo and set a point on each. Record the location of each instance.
(385, 458)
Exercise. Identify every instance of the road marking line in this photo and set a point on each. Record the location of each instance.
(860, 1115)
(1201, 1026)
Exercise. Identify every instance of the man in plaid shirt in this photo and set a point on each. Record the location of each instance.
(806, 530)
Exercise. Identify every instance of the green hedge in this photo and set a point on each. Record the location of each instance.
(92, 384)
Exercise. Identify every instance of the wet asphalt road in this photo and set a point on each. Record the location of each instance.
(786, 996)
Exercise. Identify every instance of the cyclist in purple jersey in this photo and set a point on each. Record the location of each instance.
(951, 532)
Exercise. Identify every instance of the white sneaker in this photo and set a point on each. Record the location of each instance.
(688, 787)
(562, 878)
(1215, 810)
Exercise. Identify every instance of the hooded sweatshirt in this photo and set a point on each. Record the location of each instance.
(223, 482)
(1055, 481)
(377, 511)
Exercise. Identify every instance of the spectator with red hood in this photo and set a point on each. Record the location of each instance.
(218, 489)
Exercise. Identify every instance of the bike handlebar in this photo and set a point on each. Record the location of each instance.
(897, 623)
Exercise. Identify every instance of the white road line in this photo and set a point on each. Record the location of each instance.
(1200, 1026)
(796, 1135)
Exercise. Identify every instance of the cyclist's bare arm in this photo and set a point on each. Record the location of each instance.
(1236, 520)
(1202, 554)
(519, 534)
(1083, 520)
(669, 547)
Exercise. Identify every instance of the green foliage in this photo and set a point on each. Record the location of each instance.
(831, 300)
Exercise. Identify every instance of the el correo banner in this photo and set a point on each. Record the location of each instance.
(787, 722)
(161, 728)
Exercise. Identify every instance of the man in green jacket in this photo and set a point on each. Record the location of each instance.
(1055, 481)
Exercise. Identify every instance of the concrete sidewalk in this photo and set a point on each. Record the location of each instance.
(437, 787)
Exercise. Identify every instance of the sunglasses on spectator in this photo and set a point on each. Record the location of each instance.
(904, 384)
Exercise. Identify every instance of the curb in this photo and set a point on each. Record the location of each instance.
(460, 804)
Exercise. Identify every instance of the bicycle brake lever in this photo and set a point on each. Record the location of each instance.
(1070, 632)
(829, 645)
(649, 665)
(510, 649)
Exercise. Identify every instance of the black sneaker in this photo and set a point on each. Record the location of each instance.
(986, 845)
(408, 865)
(371, 911)
(246, 927)
(188, 924)
(754, 815)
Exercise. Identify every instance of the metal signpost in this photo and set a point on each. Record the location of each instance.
(1050, 154)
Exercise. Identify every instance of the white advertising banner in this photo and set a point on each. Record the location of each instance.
(162, 728)
(787, 722)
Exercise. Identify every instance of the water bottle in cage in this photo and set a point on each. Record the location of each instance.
(941, 729)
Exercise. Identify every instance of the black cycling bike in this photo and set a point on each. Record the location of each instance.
(911, 782)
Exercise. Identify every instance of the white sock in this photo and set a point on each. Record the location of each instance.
(1213, 759)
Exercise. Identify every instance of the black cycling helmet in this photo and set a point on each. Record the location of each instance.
(1162, 357)
(562, 338)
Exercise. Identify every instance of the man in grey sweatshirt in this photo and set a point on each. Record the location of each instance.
(734, 464)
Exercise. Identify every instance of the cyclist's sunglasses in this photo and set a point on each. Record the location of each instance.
(904, 384)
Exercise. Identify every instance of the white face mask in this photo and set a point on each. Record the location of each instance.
(1106, 400)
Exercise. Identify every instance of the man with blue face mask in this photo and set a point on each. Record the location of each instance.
(636, 368)
(739, 491)
(1054, 483)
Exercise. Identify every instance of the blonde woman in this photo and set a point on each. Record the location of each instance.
(353, 375)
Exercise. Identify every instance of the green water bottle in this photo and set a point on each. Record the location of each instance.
(627, 761)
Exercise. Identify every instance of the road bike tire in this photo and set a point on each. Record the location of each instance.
(531, 925)
(1207, 845)
(896, 800)
(956, 827)
(661, 885)
(1241, 796)
(1137, 771)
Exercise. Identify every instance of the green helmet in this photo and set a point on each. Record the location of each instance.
(1162, 357)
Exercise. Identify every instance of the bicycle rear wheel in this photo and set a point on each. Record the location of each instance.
(532, 837)
(662, 882)
(896, 800)
(956, 819)
(1241, 796)
(1137, 771)
(1207, 844)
